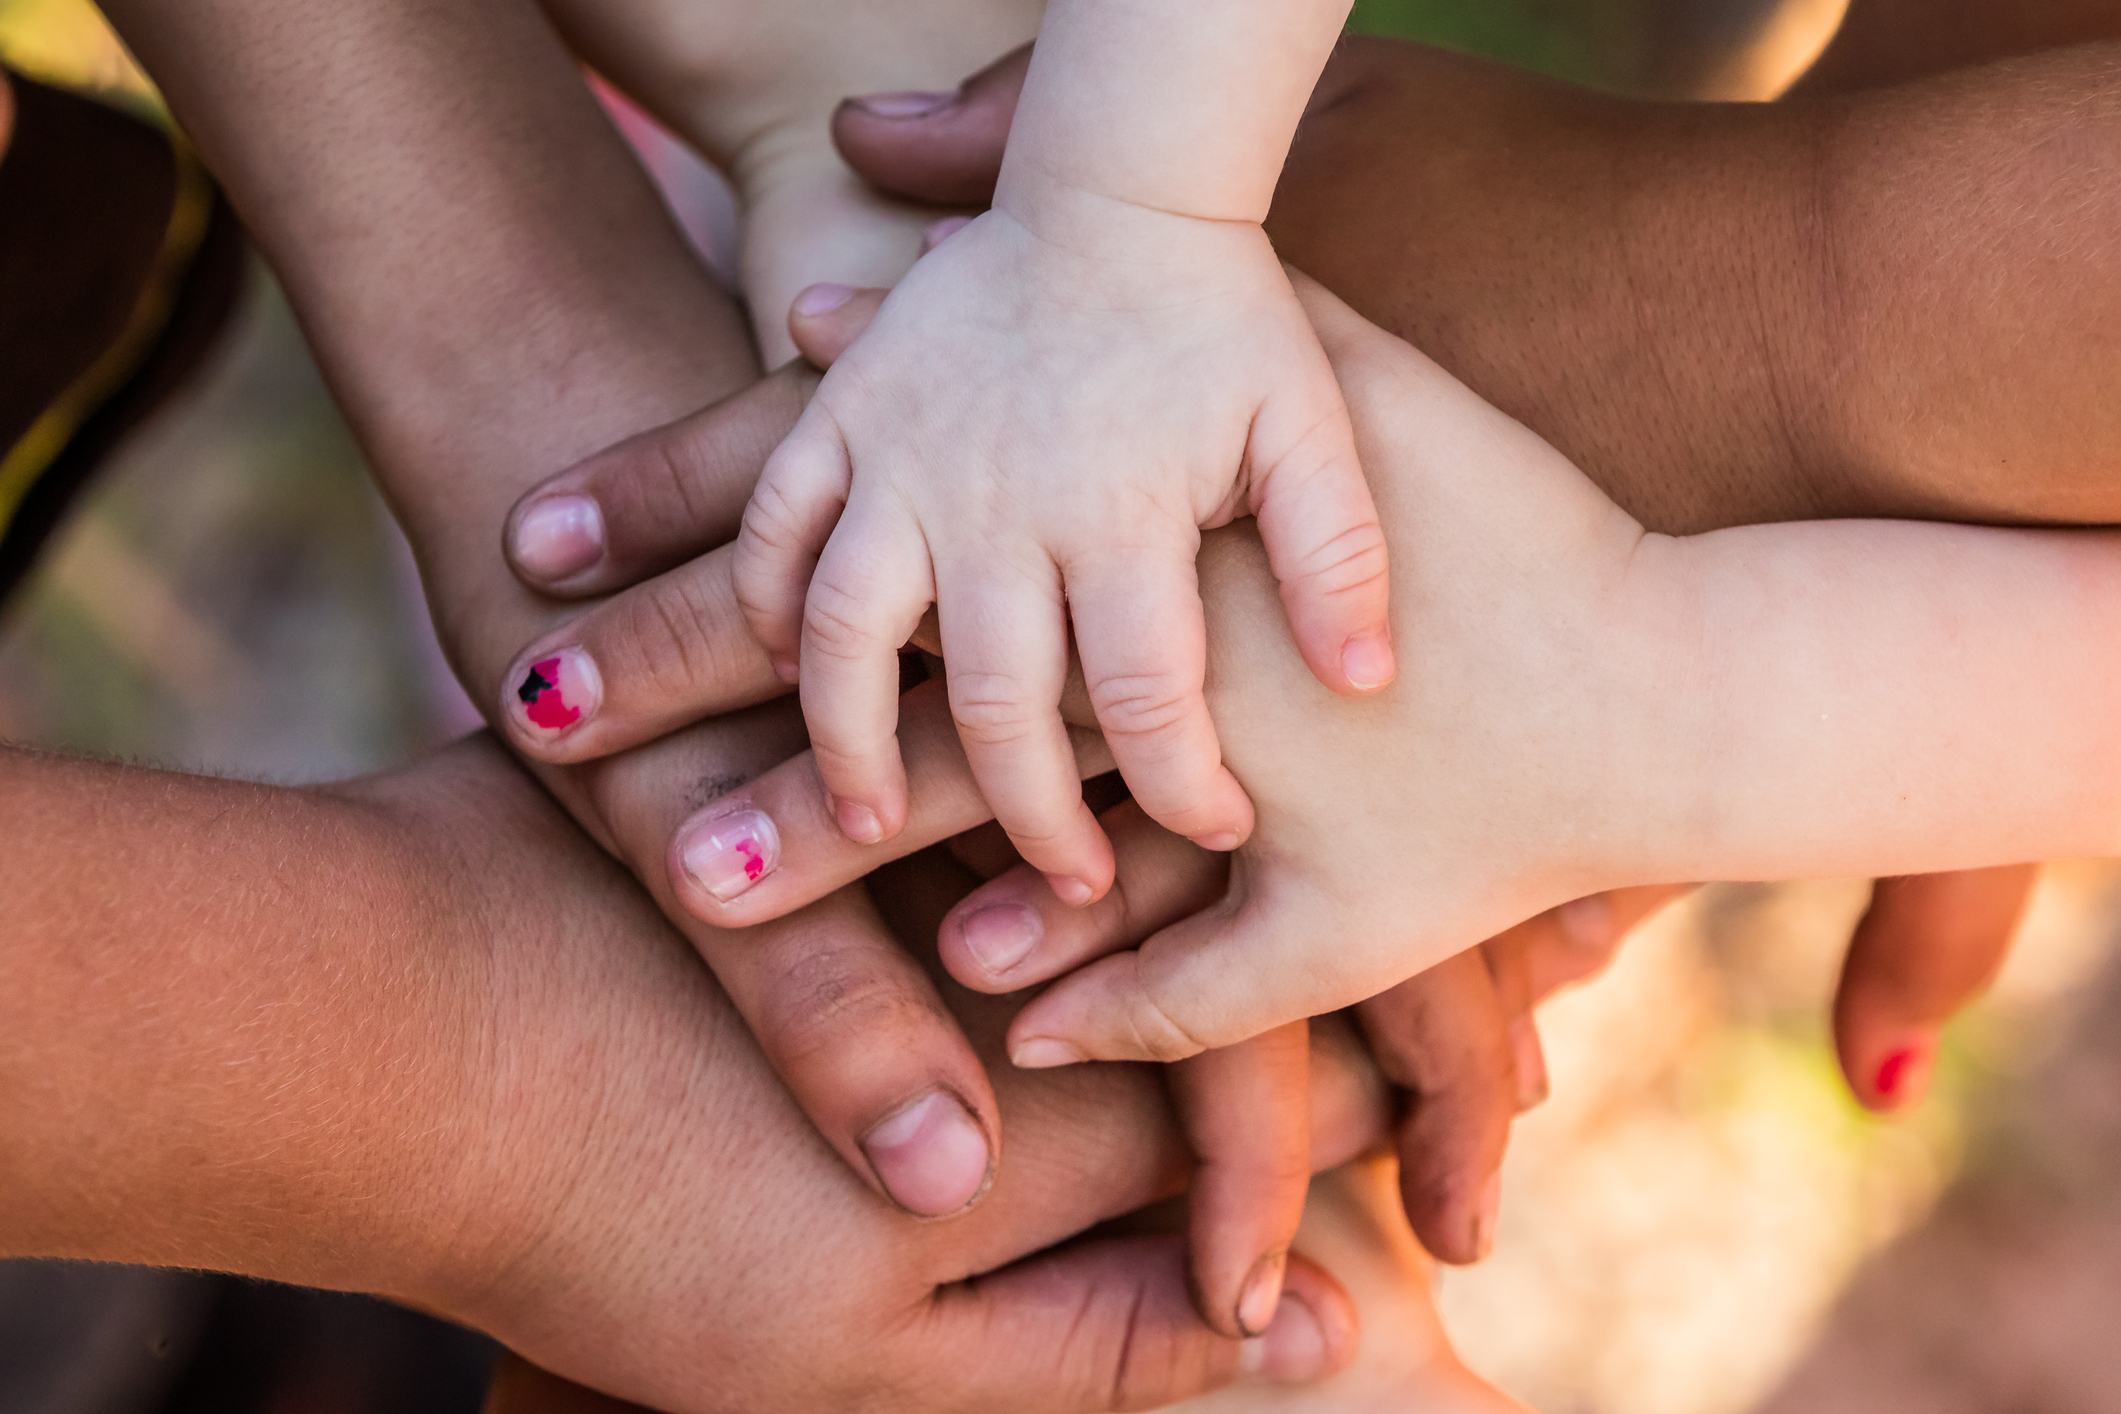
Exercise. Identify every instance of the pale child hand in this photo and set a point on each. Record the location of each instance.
(1031, 436)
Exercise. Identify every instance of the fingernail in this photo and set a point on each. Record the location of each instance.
(556, 693)
(1904, 1073)
(730, 853)
(1485, 1217)
(1222, 841)
(1530, 1060)
(942, 231)
(1367, 660)
(1587, 922)
(903, 105)
(1044, 1053)
(931, 1156)
(1262, 1294)
(857, 822)
(1001, 935)
(823, 299)
(1293, 1351)
(1071, 891)
(787, 669)
(560, 536)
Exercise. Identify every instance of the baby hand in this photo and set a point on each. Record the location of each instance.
(1033, 434)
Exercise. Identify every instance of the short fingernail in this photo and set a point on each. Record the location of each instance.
(1044, 1053)
(823, 299)
(1530, 1063)
(1001, 935)
(729, 854)
(1485, 1216)
(787, 669)
(903, 105)
(1222, 841)
(1069, 890)
(942, 231)
(560, 536)
(1904, 1073)
(1262, 1294)
(555, 693)
(931, 1157)
(1367, 660)
(857, 822)
(1587, 922)
(1293, 1351)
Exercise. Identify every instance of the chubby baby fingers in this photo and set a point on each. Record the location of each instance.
(1142, 636)
(641, 665)
(1005, 654)
(771, 845)
(655, 500)
(1445, 1038)
(1323, 539)
(1246, 1112)
(786, 524)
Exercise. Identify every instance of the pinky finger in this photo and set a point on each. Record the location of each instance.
(790, 517)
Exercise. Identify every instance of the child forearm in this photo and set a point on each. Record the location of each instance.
(1186, 109)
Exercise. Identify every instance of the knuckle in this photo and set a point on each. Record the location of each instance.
(835, 624)
(669, 642)
(1159, 1035)
(824, 999)
(772, 521)
(1144, 705)
(1353, 561)
(993, 709)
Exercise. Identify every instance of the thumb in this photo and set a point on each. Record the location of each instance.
(1107, 1325)
(943, 149)
(825, 320)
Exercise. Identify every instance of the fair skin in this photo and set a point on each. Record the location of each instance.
(997, 443)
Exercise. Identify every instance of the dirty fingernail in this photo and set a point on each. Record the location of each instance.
(1044, 1053)
(822, 299)
(555, 693)
(931, 1156)
(1293, 1350)
(1367, 660)
(1001, 935)
(560, 536)
(1262, 1294)
(857, 822)
(729, 854)
(910, 104)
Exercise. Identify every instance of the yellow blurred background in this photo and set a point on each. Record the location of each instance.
(1700, 1220)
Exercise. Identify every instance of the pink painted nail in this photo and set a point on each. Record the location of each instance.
(903, 105)
(1293, 1351)
(556, 693)
(729, 854)
(822, 299)
(1367, 660)
(560, 536)
(1001, 935)
(1903, 1073)
(931, 1156)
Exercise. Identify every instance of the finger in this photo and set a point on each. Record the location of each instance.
(825, 320)
(786, 524)
(768, 846)
(644, 663)
(1512, 974)
(1014, 931)
(1142, 637)
(1005, 650)
(1926, 947)
(655, 500)
(1323, 538)
(519, 1387)
(1246, 1112)
(943, 149)
(1578, 940)
(1443, 1037)
(872, 585)
(1106, 1325)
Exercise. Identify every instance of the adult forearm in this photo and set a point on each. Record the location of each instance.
(226, 1040)
(1740, 313)
(491, 284)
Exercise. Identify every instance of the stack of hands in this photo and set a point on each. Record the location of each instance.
(1221, 826)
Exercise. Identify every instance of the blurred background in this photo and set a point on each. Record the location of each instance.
(1699, 1221)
